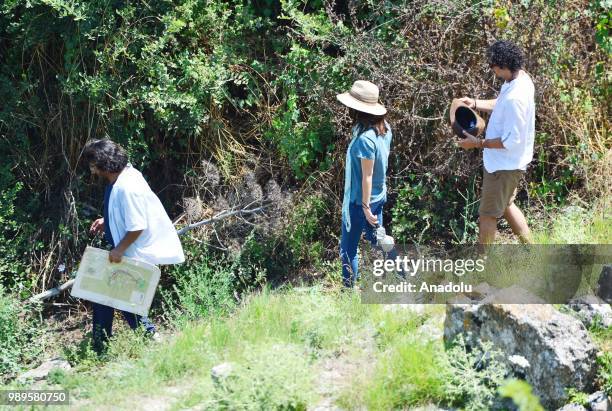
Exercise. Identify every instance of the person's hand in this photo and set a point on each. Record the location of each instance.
(468, 142)
(97, 226)
(371, 218)
(469, 101)
(115, 255)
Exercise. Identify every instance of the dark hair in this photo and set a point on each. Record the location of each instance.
(106, 155)
(505, 54)
(366, 121)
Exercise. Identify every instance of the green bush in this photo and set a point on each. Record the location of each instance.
(297, 243)
(15, 245)
(434, 209)
(21, 334)
(305, 142)
(268, 380)
(604, 375)
(475, 375)
(521, 394)
(206, 284)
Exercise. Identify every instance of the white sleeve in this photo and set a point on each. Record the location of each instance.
(515, 124)
(134, 210)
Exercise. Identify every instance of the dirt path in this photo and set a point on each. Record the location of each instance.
(339, 370)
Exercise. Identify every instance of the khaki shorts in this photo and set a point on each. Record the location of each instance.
(498, 191)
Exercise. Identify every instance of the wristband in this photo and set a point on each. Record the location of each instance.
(364, 205)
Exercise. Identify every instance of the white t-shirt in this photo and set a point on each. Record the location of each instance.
(132, 206)
(512, 120)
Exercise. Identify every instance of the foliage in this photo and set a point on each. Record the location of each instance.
(296, 243)
(302, 233)
(176, 81)
(203, 286)
(257, 385)
(521, 394)
(604, 375)
(575, 396)
(21, 334)
(303, 143)
(14, 239)
(429, 208)
(476, 374)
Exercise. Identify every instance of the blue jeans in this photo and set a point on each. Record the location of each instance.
(103, 324)
(350, 240)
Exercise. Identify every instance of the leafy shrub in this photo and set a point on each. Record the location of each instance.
(577, 397)
(15, 246)
(475, 375)
(202, 285)
(276, 379)
(296, 244)
(521, 394)
(434, 209)
(303, 232)
(604, 375)
(306, 143)
(21, 334)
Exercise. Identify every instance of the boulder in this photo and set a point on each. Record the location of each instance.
(590, 308)
(572, 407)
(599, 401)
(556, 348)
(42, 371)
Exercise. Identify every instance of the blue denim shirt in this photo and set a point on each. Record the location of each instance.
(370, 146)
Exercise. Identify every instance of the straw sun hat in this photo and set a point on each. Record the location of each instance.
(363, 96)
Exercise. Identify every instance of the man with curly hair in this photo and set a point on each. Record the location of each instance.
(508, 143)
(134, 223)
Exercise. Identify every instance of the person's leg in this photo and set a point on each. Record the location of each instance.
(487, 228)
(349, 242)
(102, 326)
(518, 223)
(491, 206)
(135, 320)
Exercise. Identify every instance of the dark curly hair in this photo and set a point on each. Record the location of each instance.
(505, 54)
(106, 155)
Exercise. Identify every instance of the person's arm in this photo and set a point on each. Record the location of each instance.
(485, 106)
(116, 253)
(471, 141)
(367, 169)
(515, 121)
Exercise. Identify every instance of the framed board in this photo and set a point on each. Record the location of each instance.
(129, 285)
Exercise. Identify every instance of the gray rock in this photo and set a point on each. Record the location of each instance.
(519, 365)
(591, 307)
(572, 407)
(604, 285)
(599, 401)
(557, 346)
(42, 371)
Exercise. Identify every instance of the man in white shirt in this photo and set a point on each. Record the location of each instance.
(135, 224)
(508, 143)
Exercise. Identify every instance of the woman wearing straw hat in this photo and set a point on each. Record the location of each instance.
(365, 191)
